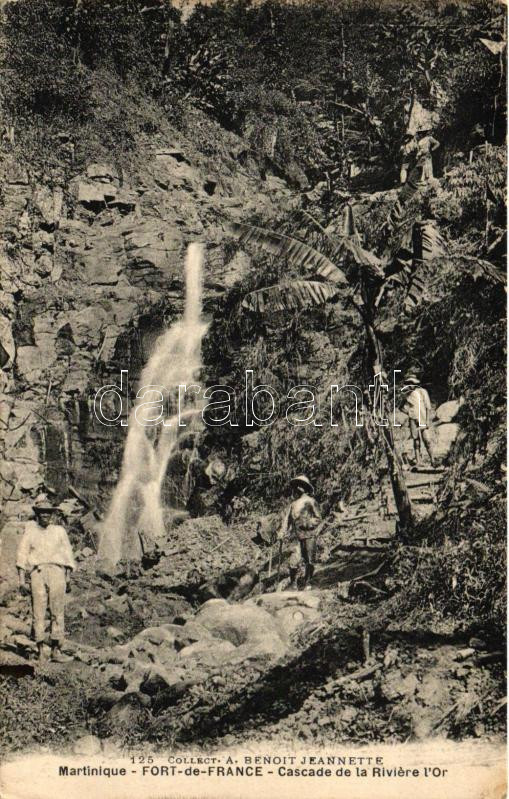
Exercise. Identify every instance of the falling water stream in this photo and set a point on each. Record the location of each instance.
(136, 511)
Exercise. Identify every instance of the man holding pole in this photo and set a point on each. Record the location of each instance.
(301, 523)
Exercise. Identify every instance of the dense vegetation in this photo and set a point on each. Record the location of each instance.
(321, 95)
(312, 88)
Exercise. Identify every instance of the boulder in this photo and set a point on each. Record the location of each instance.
(173, 152)
(265, 648)
(124, 200)
(42, 240)
(7, 341)
(114, 677)
(394, 686)
(134, 672)
(148, 247)
(250, 628)
(103, 263)
(11, 623)
(188, 634)
(154, 644)
(290, 609)
(290, 618)
(158, 679)
(126, 712)
(93, 193)
(102, 173)
(278, 600)
(171, 695)
(31, 361)
(49, 203)
(442, 438)
(103, 700)
(448, 410)
(390, 686)
(116, 603)
(208, 653)
(114, 632)
(13, 665)
(156, 635)
(88, 745)
(117, 654)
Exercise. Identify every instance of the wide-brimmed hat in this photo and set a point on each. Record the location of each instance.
(43, 503)
(302, 481)
(413, 379)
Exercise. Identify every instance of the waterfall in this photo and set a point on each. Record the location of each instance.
(136, 505)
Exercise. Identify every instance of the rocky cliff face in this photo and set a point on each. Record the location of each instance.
(91, 263)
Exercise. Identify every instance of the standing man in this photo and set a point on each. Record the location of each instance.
(418, 408)
(45, 553)
(426, 146)
(301, 522)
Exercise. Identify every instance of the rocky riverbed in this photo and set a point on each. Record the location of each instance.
(205, 656)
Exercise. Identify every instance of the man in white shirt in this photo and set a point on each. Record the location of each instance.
(418, 408)
(46, 554)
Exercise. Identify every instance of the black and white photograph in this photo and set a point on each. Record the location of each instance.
(253, 399)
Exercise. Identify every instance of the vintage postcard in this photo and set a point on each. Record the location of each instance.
(252, 399)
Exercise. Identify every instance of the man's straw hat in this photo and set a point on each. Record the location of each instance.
(302, 481)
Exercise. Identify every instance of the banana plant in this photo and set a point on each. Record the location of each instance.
(287, 296)
(412, 244)
(399, 264)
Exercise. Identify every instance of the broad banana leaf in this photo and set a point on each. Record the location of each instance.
(484, 269)
(296, 295)
(428, 244)
(406, 192)
(432, 241)
(371, 262)
(305, 256)
(351, 241)
(415, 292)
(295, 251)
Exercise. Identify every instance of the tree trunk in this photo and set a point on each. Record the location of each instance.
(398, 483)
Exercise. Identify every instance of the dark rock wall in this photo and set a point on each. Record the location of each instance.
(91, 273)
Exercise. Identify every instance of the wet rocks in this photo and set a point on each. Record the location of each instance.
(109, 245)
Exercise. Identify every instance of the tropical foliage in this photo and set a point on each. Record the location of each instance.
(321, 96)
